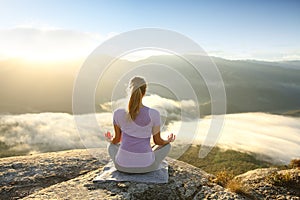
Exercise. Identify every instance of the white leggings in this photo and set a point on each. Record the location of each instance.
(160, 154)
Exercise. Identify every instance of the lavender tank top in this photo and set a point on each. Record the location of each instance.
(135, 149)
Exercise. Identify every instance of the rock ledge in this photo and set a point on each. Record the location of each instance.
(69, 175)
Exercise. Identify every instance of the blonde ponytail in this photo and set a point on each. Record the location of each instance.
(138, 89)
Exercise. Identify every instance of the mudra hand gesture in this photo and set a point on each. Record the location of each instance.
(108, 136)
(171, 137)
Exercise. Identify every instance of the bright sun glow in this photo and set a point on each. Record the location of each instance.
(40, 44)
(54, 44)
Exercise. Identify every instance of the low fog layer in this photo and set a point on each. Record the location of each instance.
(273, 135)
(50, 132)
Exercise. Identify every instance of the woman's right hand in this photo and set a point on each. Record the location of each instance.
(171, 137)
(108, 136)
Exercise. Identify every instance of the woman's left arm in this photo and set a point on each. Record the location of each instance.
(117, 137)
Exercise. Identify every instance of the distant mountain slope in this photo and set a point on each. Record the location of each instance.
(293, 64)
(250, 85)
(260, 87)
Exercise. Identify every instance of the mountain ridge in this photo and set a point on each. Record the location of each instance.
(251, 86)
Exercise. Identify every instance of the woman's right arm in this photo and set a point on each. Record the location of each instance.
(118, 133)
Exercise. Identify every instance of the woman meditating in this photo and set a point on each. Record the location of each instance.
(136, 126)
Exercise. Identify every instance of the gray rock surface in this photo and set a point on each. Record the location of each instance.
(259, 182)
(69, 175)
(185, 182)
(24, 175)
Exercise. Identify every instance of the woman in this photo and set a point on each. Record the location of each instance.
(135, 127)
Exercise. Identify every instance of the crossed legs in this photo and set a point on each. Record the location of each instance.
(160, 153)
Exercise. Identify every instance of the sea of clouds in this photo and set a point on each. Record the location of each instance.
(275, 136)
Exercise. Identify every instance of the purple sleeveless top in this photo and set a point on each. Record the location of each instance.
(135, 149)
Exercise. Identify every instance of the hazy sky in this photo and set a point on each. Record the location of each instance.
(254, 29)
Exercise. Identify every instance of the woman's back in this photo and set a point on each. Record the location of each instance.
(136, 135)
(140, 127)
